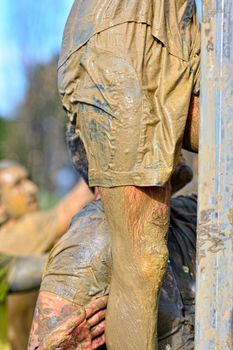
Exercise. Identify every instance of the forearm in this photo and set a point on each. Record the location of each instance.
(26, 273)
(191, 134)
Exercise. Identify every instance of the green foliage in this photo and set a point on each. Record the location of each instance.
(3, 136)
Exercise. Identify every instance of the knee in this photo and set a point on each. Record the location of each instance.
(151, 249)
(153, 264)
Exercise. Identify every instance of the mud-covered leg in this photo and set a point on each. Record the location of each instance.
(139, 220)
(191, 134)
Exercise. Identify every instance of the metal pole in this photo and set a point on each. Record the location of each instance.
(214, 311)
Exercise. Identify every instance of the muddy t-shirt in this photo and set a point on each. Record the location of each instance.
(79, 265)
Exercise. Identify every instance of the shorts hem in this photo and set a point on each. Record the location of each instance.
(151, 177)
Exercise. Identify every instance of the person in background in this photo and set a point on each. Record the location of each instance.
(25, 229)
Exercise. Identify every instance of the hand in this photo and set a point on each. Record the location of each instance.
(83, 329)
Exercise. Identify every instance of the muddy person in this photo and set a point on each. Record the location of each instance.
(78, 273)
(27, 230)
(129, 78)
(77, 277)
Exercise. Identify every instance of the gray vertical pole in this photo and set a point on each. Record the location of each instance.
(214, 312)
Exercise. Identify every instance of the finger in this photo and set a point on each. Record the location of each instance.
(95, 305)
(96, 318)
(98, 330)
(98, 342)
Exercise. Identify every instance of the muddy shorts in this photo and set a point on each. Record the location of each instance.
(128, 98)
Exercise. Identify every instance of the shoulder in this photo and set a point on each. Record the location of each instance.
(87, 237)
(79, 258)
(87, 226)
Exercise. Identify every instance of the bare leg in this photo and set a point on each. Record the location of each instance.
(191, 134)
(139, 219)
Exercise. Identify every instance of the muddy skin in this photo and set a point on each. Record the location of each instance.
(191, 134)
(139, 251)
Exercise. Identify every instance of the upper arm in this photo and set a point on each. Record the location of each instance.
(50, 310)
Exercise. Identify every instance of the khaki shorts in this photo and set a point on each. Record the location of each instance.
(128, 98)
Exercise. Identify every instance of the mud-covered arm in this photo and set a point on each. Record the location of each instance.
(59, 323)
(191, 134)
(25, 273)
(42, 229)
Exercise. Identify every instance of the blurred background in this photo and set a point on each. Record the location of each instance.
(32, 121)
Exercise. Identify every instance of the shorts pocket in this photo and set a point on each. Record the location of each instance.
(107, 82)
